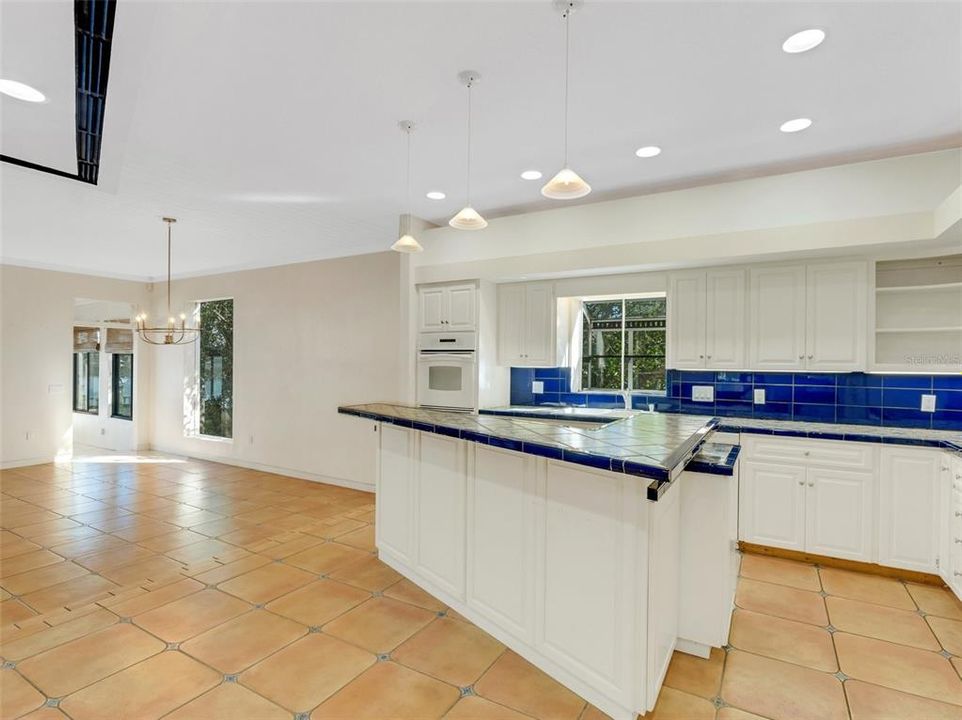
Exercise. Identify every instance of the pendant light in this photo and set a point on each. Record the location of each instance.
(174, 333)
(406, 243)
(468, 218)
(566, 184)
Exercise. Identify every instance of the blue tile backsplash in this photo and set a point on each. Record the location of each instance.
(856, 398)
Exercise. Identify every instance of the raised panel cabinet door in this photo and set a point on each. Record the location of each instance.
(395, 491)
(772, 504)
(686, 320)
(777, 317)
(501, 539)
(461, 311)
(431, 309)
(439, 512)
(837, 316)
(511, 324)
(725, 319)
(838, 514)
(909, 508)
(539, 322)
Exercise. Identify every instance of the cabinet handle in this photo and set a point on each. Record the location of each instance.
(958, 541)
(709, 357)
(701, 357)
(958, 513)
(957, 573)
(802, 483)
(812, 484)
(807, 453)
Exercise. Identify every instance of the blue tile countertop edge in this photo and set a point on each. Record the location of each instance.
(704, 463)
(661, 473)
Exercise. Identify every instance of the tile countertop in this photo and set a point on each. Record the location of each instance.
(648, 445)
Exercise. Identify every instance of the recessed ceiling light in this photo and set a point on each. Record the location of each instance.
(648, 151)
(795, 125)
(21, 91)
(436, 195)
(804, 41)
(531, 175)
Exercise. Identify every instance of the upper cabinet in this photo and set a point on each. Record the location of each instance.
(527, 319)
(448, 307)
(810, 317)
(706, 319)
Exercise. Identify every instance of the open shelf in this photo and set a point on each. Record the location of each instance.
(920, 329)
(919, 288)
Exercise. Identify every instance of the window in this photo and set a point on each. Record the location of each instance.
(623, 344)
(122, 386)
(216, 369)
(86, 382)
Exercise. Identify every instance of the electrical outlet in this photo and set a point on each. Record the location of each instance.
(55, 389)
(703, 393)
(103, 431)
(759, 396)
(928, 403)
(537, 387)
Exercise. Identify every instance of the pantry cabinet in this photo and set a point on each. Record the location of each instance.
(527, 319)
(706, 319)
(950, 535)
(447, 307)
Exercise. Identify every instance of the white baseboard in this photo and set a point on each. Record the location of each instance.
(10, 464)
(690, 647)
(289, 472)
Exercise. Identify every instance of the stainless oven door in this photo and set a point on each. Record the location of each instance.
(447, 380)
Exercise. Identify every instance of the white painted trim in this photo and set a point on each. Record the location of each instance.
(10, 464)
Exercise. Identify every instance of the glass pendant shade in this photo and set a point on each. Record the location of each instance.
(407, 244)
(566, 185)
(468, 219)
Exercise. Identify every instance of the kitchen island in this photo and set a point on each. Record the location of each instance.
(584, 546)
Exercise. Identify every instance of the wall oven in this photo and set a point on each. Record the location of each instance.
(448, 371)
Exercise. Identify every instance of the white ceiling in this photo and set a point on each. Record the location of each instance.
(270, 128)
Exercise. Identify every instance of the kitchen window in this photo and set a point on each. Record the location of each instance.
(122, 386)
(623, 344)
(86, 382)
(216, 371)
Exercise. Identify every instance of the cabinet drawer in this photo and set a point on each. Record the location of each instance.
(824, 453)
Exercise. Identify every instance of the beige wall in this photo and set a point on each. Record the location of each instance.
(36, 321)
(307, 338)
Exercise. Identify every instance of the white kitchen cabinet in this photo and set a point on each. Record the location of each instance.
(706, 319)
(950, 531)
(838, 513)
(447, 307)
(777, 309)
(395, 491)
(836, 316)
(527, 318)
(909, 503)
(772, 504)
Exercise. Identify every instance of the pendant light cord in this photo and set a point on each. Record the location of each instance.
(168, 268)
(408, 183)
(567, 18)
(468, 184)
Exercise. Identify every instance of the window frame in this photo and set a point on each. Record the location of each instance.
(196, 422)
(114, 394)
(76, 359)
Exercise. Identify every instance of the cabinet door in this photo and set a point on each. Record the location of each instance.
(395, 491)
(511, 324)
(539, 324)
(501, 538)
(431, 309)
(777, 309)
(439, 514)
(725, 319)
(838, 514)
(461, 307)
(772, 505)
(909, 508)
(686, 320)
(836, 316)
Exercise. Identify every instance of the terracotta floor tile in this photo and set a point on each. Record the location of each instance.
(267, 583)
(42, 577)
(45, 639)
(882, 622)
(172, 540)
(865, 587)
(389, 690)
(126, 554)
(380, 624)
(230, 570)
(911, 670)
(408, 592)
(155, 598)
(676, 705)
(957, 664)
(45, 713)
(88, 545)
(515, 682)
(17, 546)
(474, 707)
(151, 569)
(319, 602)
(241, 642)
(145, 529)
(229, 701)
(13, 611)
(207, 548)
(17, 696)
(290, 547)
(281, 677)
(787, 640)
(730, 713)
(936, 601)
(781, 601)
(145, 691)
(780, 690)
(452, 651)
(949, 633)
(695, 675)
(28, 561)
(592, 713)
(326, 558)
(369, 573)
(79, 663)
(85, 589)
(362, 538)
(781, 572)
(191, 615)
(872, 702)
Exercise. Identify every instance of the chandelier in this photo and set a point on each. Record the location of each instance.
(174, 333)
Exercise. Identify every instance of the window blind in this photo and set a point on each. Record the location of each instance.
(86, 339)
(119, 340)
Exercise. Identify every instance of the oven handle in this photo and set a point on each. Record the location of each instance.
(425, 355)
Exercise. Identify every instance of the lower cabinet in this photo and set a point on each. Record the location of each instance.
(394, 528)
(838, 513)
(909, 501)
(950, 546)
(772, 507)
